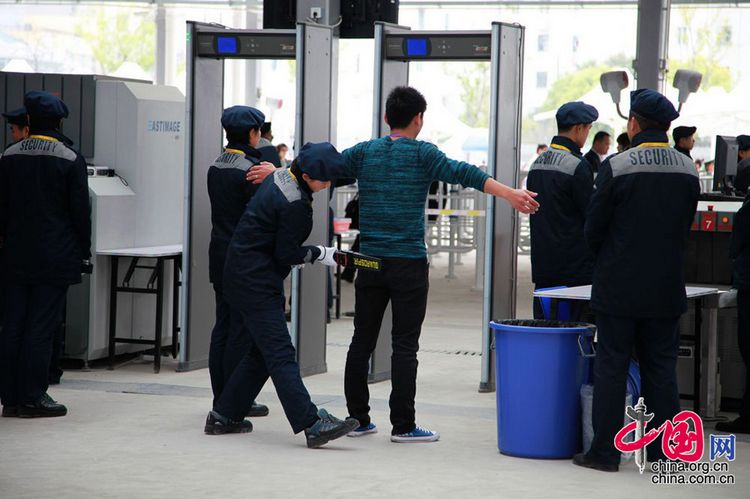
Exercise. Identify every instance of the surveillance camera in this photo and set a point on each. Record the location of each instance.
(687, 82)
(613, 82)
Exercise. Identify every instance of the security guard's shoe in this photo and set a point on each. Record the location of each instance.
(45, 407)
(739, 425)
(10, 411)
(584, 461)
(216, 424)
(328, 428)
(257, 411)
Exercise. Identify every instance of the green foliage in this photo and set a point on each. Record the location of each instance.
(573, 86)
(475, 95)
(120, 38)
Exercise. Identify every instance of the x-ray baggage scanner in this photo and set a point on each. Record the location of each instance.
(312, 46)
(395, 47)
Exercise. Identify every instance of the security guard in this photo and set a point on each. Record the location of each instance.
(45, 221)
(564, 181)
(229, 193)
(742, 180)
(739, 252)
(637, 225)
(683, 139)
(19, 126)
(266, 243)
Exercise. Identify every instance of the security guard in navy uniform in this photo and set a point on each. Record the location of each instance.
(637, 225)
(564, 182)
(45, 222)
(266, 244)
(229, 193)
(19, 126)
(739, 252)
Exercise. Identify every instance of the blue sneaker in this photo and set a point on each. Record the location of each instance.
(418, 434)
(363, 430)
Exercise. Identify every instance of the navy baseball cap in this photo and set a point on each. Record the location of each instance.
(44, 105)
(320, 161)
(575, 113)
(241, 118)
(680, 132)
(652, 105)
(16, 117)
(743, 142)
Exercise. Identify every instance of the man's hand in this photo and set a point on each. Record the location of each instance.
(523, 201)
(258, 173)
(326, 256)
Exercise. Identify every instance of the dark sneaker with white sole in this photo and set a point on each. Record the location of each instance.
(585, 462)
(257, 411)
(363, 430)
(418, 434)
(216, 424)
(10, 411)
(45, 407)
(328, 428)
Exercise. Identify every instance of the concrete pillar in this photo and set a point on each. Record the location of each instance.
(652, 44)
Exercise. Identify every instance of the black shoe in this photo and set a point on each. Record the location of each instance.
(45, 407)
(328, 428)
(257, 411)
(216, 424)
(10, 411)
(739, 425)
(582, 460)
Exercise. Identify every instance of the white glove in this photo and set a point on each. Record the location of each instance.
(326, 256)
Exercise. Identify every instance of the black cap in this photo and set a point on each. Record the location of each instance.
(575, 113)
(265, 128)
(743, 142)
(321, 161)
(44, 105)
(16, 117)
(241, 118)
(681, 132)
(652, 105)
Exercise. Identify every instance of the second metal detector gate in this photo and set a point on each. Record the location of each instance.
(313, 47)
(395, 47)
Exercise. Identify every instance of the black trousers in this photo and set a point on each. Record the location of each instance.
(405, 283)
(743, 337)
(656, 342)
(580, 309)
(271, 353)
(229, 343)
(33, 315)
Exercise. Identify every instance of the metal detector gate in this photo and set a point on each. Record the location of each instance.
(395, 47)
(312, 46)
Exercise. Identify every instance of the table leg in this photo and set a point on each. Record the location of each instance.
(338, 280)
(697, 355)
(159, 305)
(175, 303)
(114, 262)
(709, 357)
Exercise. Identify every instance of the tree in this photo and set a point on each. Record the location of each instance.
(120, 38)
(475, 95)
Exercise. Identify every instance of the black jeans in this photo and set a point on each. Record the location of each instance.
(656, 342)
(403, 282)
(271, 353)
(743, 337)
(33, 315)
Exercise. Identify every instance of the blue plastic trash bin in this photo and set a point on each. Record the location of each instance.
(540, 368)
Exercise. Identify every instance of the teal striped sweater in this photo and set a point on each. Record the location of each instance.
(394, 177)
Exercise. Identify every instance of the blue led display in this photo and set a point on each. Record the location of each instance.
(416, 47)
(226, 44)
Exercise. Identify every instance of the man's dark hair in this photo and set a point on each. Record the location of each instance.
(564, 129)
(41, 123)
(265, 128)
(403, 104)
(240, 136)
(623, 140)
(600, 136)
(648, 124)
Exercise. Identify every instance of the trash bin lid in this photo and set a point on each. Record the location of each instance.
(542, 325)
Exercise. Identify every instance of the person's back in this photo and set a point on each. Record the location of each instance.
(45, 210)
(654, 193)
(394, 177)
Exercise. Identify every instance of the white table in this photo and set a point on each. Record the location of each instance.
(155, 286)
(706, 337)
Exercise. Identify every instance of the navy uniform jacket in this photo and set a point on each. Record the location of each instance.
(45, 215)
(739, 247)
(268, 152)
(229, 192)
(637, 225)
(268, 241)
(594, 160)
(564, 182)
